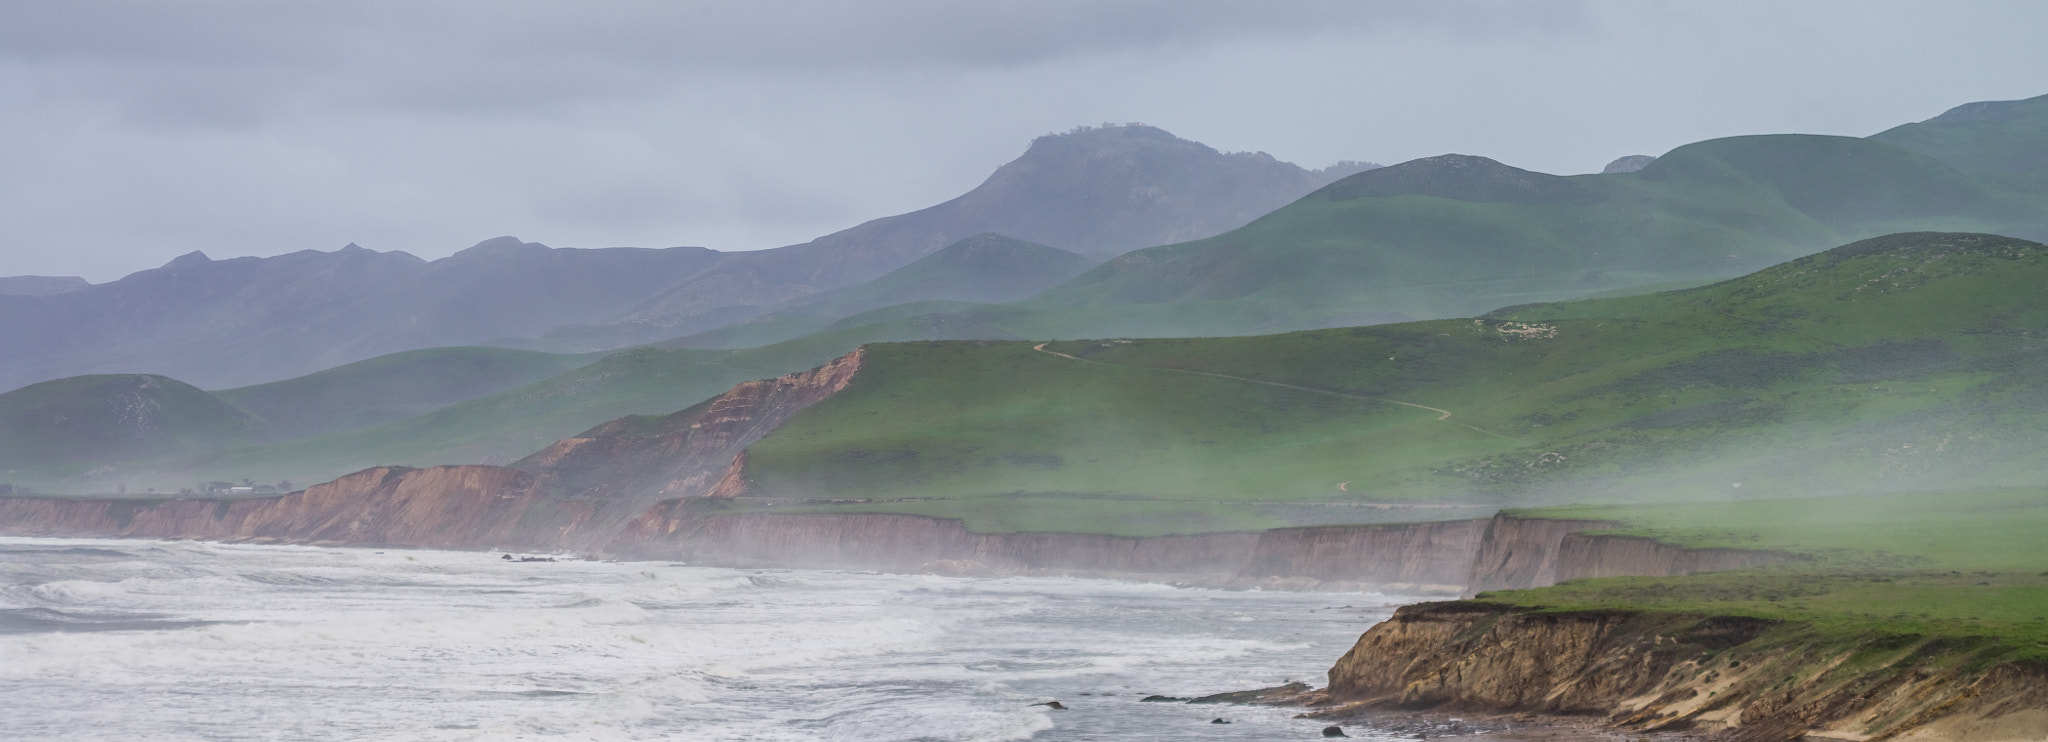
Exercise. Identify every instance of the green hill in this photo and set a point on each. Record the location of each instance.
(86, 421)
(1457, 235)
(983, 269)
(1991, 137)
(1911, 361)
(986, 268)
(393, 387)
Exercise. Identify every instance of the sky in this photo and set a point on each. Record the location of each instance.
(135, 131)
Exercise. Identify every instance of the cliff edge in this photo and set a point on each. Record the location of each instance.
(1740, 678)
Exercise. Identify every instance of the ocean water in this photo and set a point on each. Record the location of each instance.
(145, 640)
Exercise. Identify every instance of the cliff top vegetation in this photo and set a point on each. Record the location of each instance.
(1967, 566)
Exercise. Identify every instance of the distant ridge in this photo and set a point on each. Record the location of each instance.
(1463, 177)
(40, 285)
(1989, 137)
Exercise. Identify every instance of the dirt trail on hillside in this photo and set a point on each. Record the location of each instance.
(1443, 415)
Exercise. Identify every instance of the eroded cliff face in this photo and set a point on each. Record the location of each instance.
(1521, 553)
(1318, 558)
(578, 494)
(1418, 557)
(445, 506)
(1748, 678)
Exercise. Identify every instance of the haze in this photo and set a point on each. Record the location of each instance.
(134, 132)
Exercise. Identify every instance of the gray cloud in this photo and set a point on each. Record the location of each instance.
(135, 131)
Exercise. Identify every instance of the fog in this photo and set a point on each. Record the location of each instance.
(136, 132)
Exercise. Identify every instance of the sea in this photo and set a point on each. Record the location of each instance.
(173, 640)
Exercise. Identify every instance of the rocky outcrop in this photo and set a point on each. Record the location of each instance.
(1747, 678)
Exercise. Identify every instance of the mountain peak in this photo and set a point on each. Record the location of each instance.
(506, 245)
(1461, 177)
(193, 258)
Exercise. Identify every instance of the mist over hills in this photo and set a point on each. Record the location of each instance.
(1987, 137)
(1443, 236)
(987, 268)
(40, 285)
(1901, 362)
(115, 417)
(253, 320)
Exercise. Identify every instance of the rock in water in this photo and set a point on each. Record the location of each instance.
(1161, 699)
(1054, 705)
(1334, 732)
(1218, 720)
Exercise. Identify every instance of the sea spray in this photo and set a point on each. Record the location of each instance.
(178, 640)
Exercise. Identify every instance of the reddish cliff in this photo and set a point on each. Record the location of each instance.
(578, 494)
(452, 506)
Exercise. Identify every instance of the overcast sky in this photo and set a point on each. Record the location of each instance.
(132, 132)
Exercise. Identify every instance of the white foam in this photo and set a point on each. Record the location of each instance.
(308, 643)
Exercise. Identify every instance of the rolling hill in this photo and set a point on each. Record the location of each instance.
(392, 387)
(1458, 235)
(88, 421)
(984, 269)
(245, 321)
(1910, 361)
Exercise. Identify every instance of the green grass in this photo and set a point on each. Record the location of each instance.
(1712, 209)
(85, 422)
(1893, 365)
(393, 387)
(1931, 564)
(2000, 137)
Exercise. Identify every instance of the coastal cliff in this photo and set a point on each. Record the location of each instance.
(1746, 678)
(578, 494)
(1422, 557)
(1519, 553)
(445, 506)
(638, 486)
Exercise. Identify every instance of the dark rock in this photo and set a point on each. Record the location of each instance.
(1334, 732)
(1054, 705)
(1263, 695)
(1218, 720)
(1161, 699)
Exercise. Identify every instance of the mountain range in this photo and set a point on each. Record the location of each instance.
(1099, 191)
(1454, 235)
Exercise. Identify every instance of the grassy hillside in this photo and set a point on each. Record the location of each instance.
(983, 269)
(1899, 363)
(1456, 235)
(1953, 564)
(393, 387)
(1992, 137)
(84, 422)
